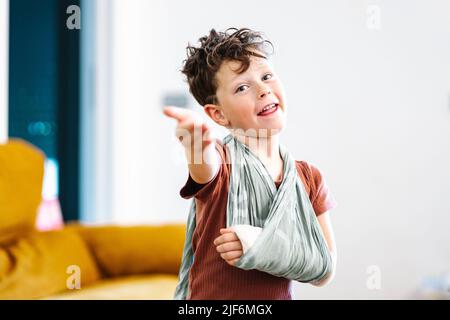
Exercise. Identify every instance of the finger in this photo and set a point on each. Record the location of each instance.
(218, 240)
(229, 246)
(176, 113)
(232, 262)
(224, 230)
(189, 128)
(183, 133)
(231, 255)
(227, 237)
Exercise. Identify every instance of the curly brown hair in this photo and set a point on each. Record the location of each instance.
(203, 62)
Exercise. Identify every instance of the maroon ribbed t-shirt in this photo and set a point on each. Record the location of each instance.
(210, 277)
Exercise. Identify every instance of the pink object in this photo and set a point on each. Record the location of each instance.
(49, 215)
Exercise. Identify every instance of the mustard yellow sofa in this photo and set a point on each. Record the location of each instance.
(78, 261)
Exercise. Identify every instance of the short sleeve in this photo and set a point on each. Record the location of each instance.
(201, 191)
(321, 197)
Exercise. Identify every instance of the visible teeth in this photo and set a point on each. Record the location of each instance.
(268, 107)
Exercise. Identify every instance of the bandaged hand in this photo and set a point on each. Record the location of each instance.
(229, 246)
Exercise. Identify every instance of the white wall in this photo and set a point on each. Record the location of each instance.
(370, 107)
(96, 112)
(4, 47)
(138, 131)
(121, 117)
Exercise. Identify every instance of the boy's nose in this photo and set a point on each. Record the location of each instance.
(264, 92)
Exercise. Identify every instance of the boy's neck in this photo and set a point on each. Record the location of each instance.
(266, 148)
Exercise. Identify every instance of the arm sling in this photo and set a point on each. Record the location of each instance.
(291, 244)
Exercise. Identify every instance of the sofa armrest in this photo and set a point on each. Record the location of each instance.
(127, 250)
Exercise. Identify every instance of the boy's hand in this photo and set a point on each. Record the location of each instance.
(196, 136)
(229, 246)
(190, 122)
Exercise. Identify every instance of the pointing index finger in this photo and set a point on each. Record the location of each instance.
(176, 113)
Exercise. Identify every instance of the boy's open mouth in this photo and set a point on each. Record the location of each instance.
(268, 109)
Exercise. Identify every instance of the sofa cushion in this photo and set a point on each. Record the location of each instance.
(125, 250)
(45, 263)
(148, 287)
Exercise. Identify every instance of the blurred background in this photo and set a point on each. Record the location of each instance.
(368, 89)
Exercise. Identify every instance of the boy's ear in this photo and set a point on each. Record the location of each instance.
(216, 114)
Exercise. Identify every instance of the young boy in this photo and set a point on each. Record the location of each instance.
(230, 76)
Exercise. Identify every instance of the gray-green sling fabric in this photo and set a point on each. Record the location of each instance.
(291, 244)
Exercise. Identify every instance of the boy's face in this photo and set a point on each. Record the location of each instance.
(242, 97)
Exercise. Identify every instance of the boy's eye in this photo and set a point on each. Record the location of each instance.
(241, 88)
(267, 76)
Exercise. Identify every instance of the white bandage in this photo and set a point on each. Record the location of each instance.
(247, 234)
